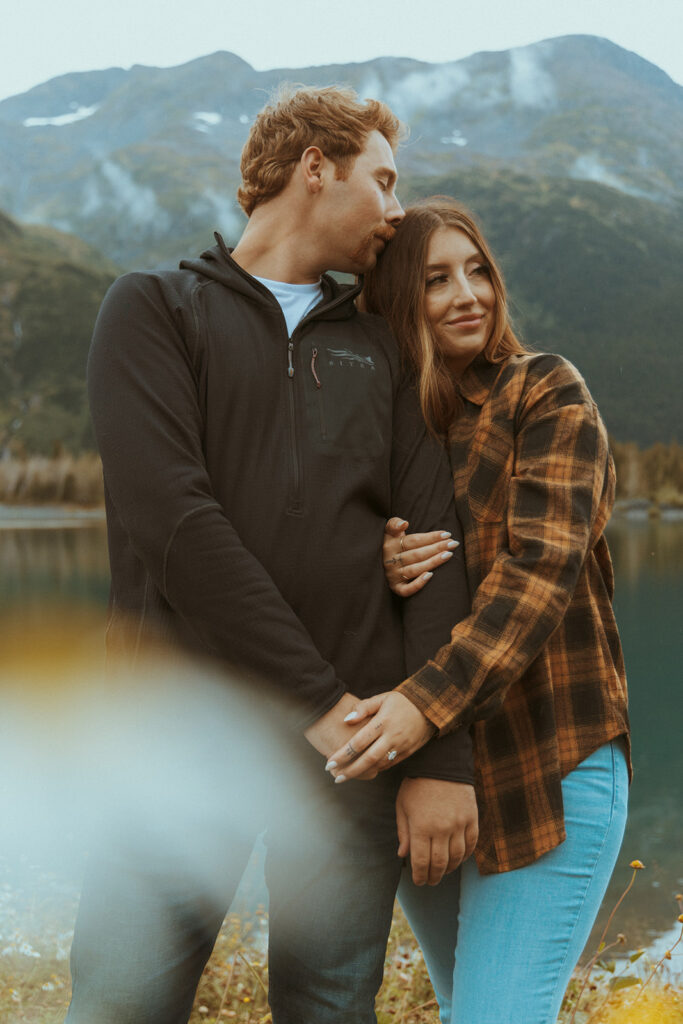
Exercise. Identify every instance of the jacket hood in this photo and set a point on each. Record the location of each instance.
(217, 264)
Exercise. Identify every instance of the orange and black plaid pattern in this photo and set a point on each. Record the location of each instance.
(537, 665)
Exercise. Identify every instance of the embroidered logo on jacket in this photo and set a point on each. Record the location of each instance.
(343, 357)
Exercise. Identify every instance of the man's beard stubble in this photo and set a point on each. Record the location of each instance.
(365, 255)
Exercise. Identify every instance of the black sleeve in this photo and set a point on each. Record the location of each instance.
(422, 493)
(146, 413)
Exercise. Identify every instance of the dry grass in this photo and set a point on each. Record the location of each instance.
(35, 990)
(655, 474)
(61, 480)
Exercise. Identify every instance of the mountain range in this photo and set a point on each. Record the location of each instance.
(570, 151)
(138, 161)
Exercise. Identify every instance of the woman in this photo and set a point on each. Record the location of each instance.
(536, 668)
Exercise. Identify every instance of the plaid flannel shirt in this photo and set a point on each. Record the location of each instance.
(537, 666)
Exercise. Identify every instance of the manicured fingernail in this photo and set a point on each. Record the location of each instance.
(427, 575)
(340, 778)
(404, 522)
(330, 765)
(351, 715)
(452, 544)
(446, 554)
(445, 535)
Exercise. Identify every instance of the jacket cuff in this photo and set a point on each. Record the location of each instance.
(449, 758)
(307, 715)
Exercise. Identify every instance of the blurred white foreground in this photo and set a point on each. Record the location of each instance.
(168, 762)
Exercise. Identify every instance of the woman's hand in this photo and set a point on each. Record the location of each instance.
(332, 729)
(410, 558)
(395, 731)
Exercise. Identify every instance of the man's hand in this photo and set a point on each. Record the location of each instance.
(331, 731)
(438, 826)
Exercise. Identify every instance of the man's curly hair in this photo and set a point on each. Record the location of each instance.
(332, 118)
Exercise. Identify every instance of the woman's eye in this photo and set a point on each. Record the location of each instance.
(437, 279)
(480, 270)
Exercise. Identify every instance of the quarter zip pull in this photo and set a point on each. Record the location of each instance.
(315, 375)
(290, 364)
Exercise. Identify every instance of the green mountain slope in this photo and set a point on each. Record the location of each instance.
(51, 286)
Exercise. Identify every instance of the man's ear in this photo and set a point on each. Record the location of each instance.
(312, 164)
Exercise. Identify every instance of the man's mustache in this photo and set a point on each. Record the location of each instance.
(386, 233)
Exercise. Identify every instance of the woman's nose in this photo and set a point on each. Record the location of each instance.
(462, 294)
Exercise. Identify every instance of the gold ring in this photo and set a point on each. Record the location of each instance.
(401, 548)
(404, 578)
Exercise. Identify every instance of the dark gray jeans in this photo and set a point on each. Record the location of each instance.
(147, 924)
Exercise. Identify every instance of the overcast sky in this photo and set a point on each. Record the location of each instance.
(42, 39)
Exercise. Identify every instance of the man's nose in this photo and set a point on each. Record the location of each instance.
(395, 213)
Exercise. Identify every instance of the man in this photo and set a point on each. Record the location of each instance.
(255, 434)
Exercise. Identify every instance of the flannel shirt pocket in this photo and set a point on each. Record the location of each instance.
(490, 466)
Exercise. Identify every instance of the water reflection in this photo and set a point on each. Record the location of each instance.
(648, 561)
(53, 566)
(647, 547)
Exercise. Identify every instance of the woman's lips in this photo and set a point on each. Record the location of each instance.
(466, 321)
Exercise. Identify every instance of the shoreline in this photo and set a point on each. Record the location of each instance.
(61, 514)
(49, 517)
(642, 509)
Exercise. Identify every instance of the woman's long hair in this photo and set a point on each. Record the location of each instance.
(396, 287)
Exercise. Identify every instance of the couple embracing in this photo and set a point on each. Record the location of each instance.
(463, 739)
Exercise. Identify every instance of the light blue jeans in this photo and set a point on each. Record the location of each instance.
(500, 949)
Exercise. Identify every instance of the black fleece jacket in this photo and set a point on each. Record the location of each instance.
(248, 477)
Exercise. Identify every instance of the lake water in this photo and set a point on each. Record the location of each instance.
(45, 566)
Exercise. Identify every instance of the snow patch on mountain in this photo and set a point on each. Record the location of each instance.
(456, 138)
(206, 119)
(77, 114)
(530, 83)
